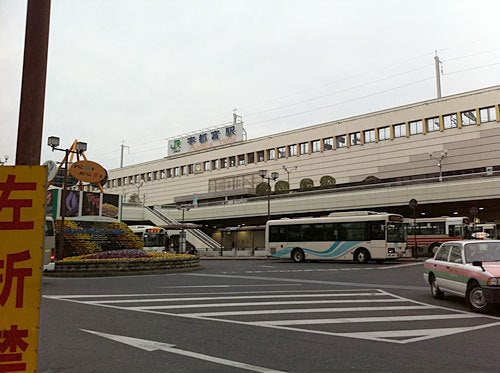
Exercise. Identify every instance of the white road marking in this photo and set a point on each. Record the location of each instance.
(417, 334)
(352, 305)
(306, 310)
(224, 286)
(246, 304)
(402, 265)
(148, 345)
(353, 320)
(372, 293)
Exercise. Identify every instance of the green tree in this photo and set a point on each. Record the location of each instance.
(262, 189)
(281, 187)
(306, 184)
(134, 198)
(327, 182)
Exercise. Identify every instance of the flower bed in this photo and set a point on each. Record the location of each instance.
(125, 262)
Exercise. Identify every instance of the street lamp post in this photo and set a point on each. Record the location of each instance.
(139, 186)
(439, 158)
(273, 177)
(182, 235)
(413, 205)
(289, 171)
(80, 147)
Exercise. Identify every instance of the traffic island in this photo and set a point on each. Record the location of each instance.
(123, 267)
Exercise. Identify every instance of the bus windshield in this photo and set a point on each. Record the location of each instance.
(154, 239)
(396, 232)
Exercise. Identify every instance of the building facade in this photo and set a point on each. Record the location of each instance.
(453, 135)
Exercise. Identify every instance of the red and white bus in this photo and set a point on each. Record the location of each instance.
(430, 233)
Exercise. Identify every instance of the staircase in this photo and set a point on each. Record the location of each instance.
(196, 237)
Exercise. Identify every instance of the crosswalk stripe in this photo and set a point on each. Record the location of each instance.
(306, 310)
(205, 305)
(239, 297)
(353, 320)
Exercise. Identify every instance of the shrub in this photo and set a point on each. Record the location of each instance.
(306, 184)
(262, 189)
(327, 182)
(370, 180)
(281, 187)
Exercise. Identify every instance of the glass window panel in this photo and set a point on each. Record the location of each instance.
(400, 130)
(416, 127)
(488, 114)
(369, 136)
(328, 143)
(271, 154)
(432, 124)
(468, 117)
(304, 148)
(450, 121)
(384, 133)
(355, 138)
(315, 146)
(281, 152)
(340, 141)
(260, 156)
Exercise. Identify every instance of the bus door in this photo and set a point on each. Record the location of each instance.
(378, 247)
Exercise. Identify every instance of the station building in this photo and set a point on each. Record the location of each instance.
(442, 152)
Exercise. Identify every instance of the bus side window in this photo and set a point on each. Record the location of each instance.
(454, 231)
(377, 231)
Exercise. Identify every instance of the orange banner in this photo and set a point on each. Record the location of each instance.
(22, 220)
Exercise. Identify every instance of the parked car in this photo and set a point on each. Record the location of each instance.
(468, 268)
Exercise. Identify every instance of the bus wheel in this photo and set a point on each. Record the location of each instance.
(433, 248)
(362, 256)
(298, 256)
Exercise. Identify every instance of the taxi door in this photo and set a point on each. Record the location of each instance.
(454, 268)
(440, 267)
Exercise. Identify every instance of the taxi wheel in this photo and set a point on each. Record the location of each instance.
(298, 256)
(436, 292)
(475, 299)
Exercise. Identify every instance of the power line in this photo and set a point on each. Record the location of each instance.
(340, 103)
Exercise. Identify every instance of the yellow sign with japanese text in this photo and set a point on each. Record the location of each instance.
(22, 221)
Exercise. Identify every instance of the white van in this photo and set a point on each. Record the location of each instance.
(49, 245)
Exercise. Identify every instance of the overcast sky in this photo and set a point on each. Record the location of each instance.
(137, 72)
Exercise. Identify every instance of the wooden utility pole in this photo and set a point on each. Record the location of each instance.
(29, 132)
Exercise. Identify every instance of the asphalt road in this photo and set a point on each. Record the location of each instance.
(263, 316)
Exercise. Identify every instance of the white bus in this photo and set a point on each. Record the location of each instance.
(359, 235)
(49, 245)
(154, 238)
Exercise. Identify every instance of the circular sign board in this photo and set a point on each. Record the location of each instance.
(473, 211)
(413, 203)
(87, 171)
(51, 170)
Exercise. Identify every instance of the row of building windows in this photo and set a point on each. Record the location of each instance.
(389, 132)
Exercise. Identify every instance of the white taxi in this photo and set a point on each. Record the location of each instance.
(470, 269)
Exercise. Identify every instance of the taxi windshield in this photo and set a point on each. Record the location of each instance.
(482, 251)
